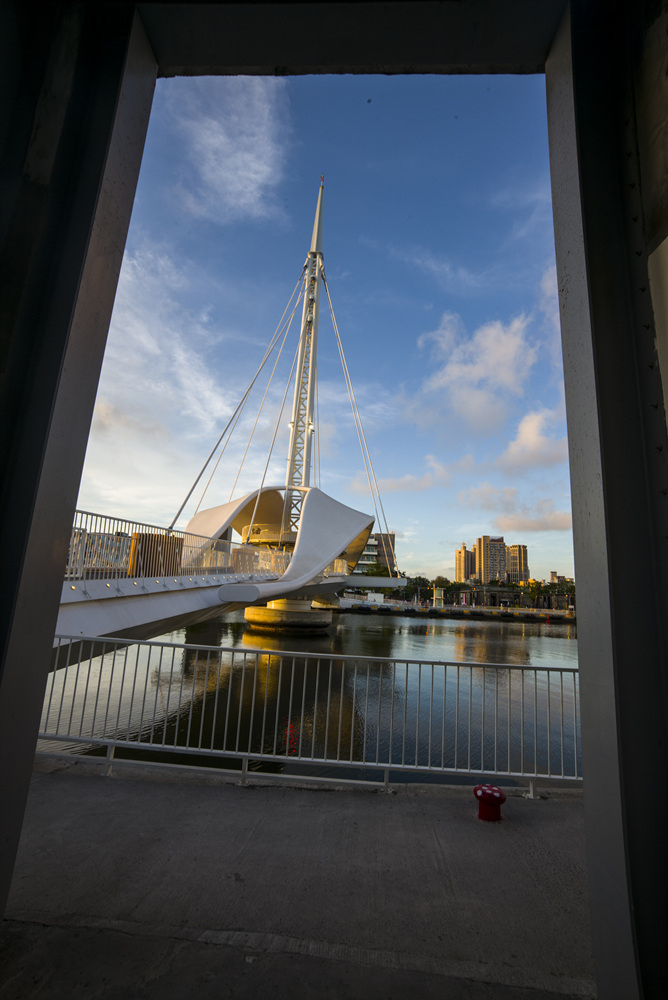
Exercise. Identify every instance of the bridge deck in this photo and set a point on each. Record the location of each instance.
(174, 885)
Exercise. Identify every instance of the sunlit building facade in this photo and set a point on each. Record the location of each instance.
(464, 563)
(490, 559)
(517, 563)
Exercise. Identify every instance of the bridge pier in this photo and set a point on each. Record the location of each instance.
(288, 615)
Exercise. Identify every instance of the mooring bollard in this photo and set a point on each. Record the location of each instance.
(490, 799)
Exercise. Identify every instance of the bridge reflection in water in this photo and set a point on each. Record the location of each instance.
(279, 710)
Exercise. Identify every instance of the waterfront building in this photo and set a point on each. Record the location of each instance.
(517, 563)
(369, 556)
(490, 561)
(464, 563)
(378, 551)
(385, 553)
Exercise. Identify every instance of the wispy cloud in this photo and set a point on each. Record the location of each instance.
(530, 208)
(235, 132)
(485, 496)
(532, 447)
(543, 517)
(448, 275)
(436, 474)
(476, 375)
(163, 398)
(513, 513)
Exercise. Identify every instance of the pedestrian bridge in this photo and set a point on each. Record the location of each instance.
(126, 578)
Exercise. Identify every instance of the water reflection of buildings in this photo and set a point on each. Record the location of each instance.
(501, 644)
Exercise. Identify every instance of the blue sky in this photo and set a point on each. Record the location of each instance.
(439, 254)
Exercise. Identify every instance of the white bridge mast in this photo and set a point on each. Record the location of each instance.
(303, 422)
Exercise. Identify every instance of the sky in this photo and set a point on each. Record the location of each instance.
(439, 255)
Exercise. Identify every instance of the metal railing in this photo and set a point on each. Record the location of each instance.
(296, 709)
(104, 548)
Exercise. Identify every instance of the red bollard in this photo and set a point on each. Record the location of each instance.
(490, 799)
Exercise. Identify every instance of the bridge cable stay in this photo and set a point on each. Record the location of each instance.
(264, 398)
(242, 402)
(366, 455)
(317, 426)
(234, 426)
(273, 441)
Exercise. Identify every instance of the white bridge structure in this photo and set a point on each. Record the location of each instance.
(298, 544)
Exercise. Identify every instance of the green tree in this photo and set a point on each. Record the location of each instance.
(418, 585)
(376, 569)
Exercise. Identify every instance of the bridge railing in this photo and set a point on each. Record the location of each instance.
(292, 711)
(103, 548)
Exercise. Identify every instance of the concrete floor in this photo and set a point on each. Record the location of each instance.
(168, 885)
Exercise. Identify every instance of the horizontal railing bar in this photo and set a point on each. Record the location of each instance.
(292, 760)
(252, 651)
(218, 771)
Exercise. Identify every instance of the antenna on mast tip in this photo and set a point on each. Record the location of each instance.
(322, 179)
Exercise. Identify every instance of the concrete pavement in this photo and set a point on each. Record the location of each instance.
(167, 885)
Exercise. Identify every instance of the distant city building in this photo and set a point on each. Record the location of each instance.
(517, 563)
(464, 564)
(553, 576)
(490, 559)
(379, 550)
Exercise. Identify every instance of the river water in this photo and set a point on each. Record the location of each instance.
(518, 643)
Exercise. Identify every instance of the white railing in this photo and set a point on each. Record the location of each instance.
(296, 709)
(104, 548)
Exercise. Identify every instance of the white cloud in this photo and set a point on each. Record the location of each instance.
(236, 132)
(543, 517)
(532, 447)
(476, 376)
(514, 514)
(488, 497)
(164, 398)
(435, 475)
(531, 208)
(449, 276)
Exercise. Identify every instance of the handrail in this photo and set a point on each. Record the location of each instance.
(304, 709)
(103, 548)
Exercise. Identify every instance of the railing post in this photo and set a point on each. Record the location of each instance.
(386, 780)
(531, 794)
(244, 770)
(110, 758)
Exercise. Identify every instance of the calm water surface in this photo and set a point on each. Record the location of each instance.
(519, 643)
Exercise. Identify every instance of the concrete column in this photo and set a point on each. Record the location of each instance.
(617, 447)
(82, 77)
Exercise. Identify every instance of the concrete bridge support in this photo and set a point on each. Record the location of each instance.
(76, 98)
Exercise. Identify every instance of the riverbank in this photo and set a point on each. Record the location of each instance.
(462, 613)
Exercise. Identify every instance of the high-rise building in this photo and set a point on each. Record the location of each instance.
(385, 549)
(490, 560)
(464, 564)
(517, 563)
